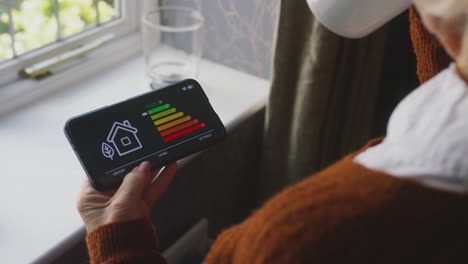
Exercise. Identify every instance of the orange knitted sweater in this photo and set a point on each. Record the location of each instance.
(344, 214)
(430, 55)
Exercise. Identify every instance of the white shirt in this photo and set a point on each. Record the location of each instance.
(427, 135)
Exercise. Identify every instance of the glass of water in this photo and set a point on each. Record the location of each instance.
(172, 44)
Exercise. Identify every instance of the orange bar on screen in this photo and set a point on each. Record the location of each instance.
(174, 123)
(177, 128)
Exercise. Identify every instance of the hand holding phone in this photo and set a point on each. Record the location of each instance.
(159, 126)
(133, 199)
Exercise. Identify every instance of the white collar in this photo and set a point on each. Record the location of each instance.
(427, 135)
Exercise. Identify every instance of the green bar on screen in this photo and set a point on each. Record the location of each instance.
(158, 109)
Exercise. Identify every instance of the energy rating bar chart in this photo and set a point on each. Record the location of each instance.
(172, 124)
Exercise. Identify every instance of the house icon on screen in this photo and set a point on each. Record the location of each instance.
(124, 138)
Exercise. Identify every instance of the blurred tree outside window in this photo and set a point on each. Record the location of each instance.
(35, 23)
(6, 51)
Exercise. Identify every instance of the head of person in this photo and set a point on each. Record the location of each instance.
(446, 19)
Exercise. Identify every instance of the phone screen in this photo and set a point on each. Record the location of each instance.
(159, 126)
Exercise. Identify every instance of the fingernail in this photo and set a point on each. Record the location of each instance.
(144, 166)
(157, 175)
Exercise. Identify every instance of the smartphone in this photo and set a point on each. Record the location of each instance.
(159, 126)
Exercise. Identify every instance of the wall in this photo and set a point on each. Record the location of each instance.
(239, 34)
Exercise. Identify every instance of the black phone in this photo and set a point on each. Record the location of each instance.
(159, 126)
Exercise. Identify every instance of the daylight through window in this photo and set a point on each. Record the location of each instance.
(26, 25)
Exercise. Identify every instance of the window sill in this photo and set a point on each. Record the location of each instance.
(26, 91)
(41, 221)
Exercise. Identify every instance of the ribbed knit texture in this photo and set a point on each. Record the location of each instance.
(349, 214)
(128, 242)
(344, 214)
(430, 55)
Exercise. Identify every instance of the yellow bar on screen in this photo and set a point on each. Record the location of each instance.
(163, 113)
(169, 118)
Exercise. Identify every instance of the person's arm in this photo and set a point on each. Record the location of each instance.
(117, 221)
(128, 242)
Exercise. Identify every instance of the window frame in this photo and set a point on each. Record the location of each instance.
(128, 23)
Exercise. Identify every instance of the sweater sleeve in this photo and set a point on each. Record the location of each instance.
(128, 242)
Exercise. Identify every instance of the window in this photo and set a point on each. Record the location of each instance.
(34, 30)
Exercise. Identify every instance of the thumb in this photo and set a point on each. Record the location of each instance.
(135, 183)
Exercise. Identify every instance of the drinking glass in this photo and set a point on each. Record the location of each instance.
(172, 44)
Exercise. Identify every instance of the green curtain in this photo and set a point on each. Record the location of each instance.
(323, 97)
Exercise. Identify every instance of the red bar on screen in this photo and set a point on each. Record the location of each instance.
(183, 132)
